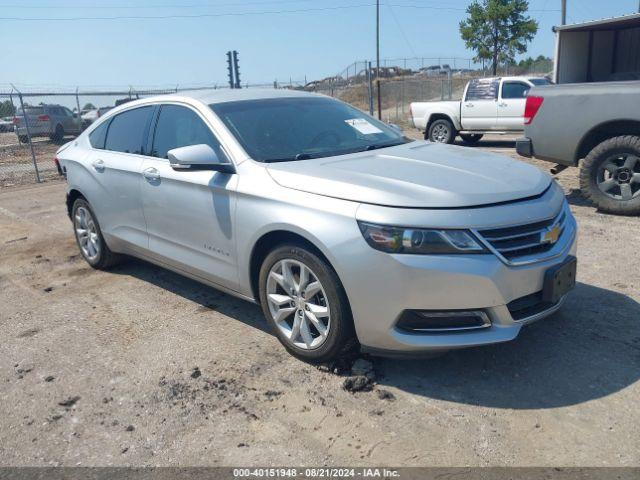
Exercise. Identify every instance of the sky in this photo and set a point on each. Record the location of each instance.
(306, 39)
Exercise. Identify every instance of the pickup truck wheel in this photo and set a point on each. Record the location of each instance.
(441, 131)
(610, 175)
(471, 138)
(23, 139)
(58, 134)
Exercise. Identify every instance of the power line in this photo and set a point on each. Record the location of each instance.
(199, 15)
(232, 14)
(127, 7)
(406, 39)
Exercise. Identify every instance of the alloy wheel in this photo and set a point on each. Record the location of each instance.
(298, 304)
(619, 177)
(440, 133)
(87, 233)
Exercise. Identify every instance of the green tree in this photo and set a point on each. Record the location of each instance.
(89, 106)
(6, 108)
(497, 30)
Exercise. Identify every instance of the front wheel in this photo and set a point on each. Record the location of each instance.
(305, 304)
(471, 138)
(441, 131)
(610, 175)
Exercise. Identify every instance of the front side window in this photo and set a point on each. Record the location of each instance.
(180, 127)
(482, 89)
(126, 131)
(287, 129)
(515, 90)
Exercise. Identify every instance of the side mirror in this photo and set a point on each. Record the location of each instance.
(201, 157)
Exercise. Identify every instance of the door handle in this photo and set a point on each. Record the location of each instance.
(98, 165)
(468, 104)
(503, 104)
(151, 174)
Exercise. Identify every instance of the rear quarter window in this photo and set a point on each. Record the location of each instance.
(127, 129)
(98, 136)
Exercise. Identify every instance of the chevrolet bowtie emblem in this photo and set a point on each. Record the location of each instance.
(551, 235)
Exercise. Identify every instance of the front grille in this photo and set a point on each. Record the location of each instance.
(528, 306)
(519, 241)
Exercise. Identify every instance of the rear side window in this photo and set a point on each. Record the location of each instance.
(483, 89)
(127, 129)
(180, 127)
(515, 90)
(99, 135)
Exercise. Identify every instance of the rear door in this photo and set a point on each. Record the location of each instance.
(115, 163)
(479, 107)
(511, 102)
(189, 212)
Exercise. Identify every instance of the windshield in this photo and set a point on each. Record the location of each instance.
(540, 81)
(286, 129)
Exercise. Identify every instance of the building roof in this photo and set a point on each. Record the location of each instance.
(624, 21)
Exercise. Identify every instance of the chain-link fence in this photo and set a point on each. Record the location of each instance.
(34, 122)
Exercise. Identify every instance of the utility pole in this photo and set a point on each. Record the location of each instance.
(564, 12)
(378, 59)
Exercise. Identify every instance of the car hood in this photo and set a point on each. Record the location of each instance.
(415, 175)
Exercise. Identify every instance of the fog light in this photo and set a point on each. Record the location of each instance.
(429, 321)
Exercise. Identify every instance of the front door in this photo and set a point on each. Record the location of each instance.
(189, 213)
(479, 106)
(511, 102)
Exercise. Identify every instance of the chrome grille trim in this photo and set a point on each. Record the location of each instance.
(521, 244)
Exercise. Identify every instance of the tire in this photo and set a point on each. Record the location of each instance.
(23, 139)
(441, 131)
(610, 175)
(58, 134)
(339, 340)
(104, 258)
(471, 138)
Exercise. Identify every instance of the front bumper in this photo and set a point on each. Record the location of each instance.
(383, 286)
(524, 147)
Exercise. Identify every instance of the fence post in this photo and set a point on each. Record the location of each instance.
(26, 124)
(79, 117)
(370, 83)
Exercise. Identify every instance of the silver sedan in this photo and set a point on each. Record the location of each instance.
(348, 234)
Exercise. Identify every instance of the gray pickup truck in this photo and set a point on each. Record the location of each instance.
(596, 126)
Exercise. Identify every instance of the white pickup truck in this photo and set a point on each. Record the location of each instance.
(489, 105)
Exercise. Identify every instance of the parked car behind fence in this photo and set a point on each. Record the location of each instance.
(53, 121)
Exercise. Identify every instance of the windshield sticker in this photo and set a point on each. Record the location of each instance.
(363, 126)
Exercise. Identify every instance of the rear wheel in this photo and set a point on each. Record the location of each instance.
(610, 175)
(23, 138)
(441, 131)
(471, 138)
(89, 237)
(303, 300)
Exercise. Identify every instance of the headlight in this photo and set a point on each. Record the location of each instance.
(419, 241)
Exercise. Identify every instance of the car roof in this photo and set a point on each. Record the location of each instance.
(232, 95)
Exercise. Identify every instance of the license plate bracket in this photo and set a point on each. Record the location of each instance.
(559, 280)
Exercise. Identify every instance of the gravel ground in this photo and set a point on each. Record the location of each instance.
(139, 366)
